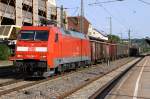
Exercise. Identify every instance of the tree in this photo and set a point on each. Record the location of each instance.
(147, 40)
(114, 38)
(4, 52)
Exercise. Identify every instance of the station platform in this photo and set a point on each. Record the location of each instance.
(135, 84)
(6, 63)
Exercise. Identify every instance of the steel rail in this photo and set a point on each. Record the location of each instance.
(65, 94)
(7, 91)
(102, 92)
(18, 88)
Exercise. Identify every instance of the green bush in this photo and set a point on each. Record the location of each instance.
(4, 52)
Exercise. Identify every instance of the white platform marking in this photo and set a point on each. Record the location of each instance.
(137, 82)
(123, 81)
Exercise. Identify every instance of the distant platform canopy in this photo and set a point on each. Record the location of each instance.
(9, 32)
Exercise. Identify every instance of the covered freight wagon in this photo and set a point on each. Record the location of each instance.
(122, 50)
(102, 51)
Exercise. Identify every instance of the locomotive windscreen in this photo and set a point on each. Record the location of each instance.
(34, 35)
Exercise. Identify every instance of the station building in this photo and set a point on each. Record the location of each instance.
(17, 13)
(74, 24)
(26, 12)
(97, 34)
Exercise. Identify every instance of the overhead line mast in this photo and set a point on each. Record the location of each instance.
(81, 17)
(110, 28)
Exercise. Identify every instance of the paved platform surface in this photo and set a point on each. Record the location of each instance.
(135, 84)
(5, 63)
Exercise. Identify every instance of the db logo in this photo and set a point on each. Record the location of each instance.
(31, 49)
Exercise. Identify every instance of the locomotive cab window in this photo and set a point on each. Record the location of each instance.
(41, 35)
(34, 35)
(27, 35)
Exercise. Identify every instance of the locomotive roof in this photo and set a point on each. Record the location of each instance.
(36, 27)
(63, 31)
(73, 33)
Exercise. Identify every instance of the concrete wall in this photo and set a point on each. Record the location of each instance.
(19, 16)
(35, 13)
(58, 17)
(10, 11)
(48, 10)
(18, 12)
(74, 23)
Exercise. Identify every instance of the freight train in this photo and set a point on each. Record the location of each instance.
(46, 50)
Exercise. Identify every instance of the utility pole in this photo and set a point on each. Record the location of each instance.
(61, 16)
(0, 20)
(110, 24)
(129, 34)
(81, 17)
(121, 37)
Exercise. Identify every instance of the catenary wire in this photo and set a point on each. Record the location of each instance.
(148, 3)
(113, 16)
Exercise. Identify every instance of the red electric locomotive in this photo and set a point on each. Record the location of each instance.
(45, 50)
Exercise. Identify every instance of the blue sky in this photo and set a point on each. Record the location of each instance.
(127, 14)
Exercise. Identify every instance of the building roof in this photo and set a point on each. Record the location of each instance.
(100, 32)
(53, 2)
(74, 23)
(78, 17)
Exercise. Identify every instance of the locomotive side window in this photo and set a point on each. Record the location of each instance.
(34, 35)
(68, 32)
(56, 37)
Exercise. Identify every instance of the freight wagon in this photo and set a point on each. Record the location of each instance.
(122, 50)
(103, 51)
(134, 51)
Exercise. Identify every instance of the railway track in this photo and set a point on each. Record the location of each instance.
(10, 82)
(101, 93)
(105, 85)
(13, 86)
(14, 79)
(6, 71)
(64, 95)
(5, 88)
(19, 84)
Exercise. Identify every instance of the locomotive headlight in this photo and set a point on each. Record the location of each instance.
(19, 55)
(20, 48)
(43, 56)
(41, 49)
